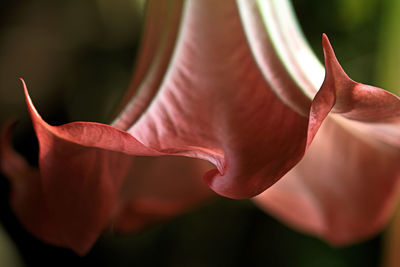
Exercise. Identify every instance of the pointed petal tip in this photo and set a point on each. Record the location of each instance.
(31, 108)
(27, 97)
(331, 62)
(325, 39)
(23, 85)
(329, 54)
(333, 69)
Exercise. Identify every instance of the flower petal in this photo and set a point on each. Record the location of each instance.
(160, 188)
(203, 95)
(216, 104)
(160, 33)
(345, 187)
(82, 167)
(343, 190)
(78, 190)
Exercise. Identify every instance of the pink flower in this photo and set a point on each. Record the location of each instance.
(235, 85)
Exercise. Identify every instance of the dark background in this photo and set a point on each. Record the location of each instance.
(77, 57)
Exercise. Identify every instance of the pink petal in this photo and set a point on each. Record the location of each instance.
(345, 187)
(78, 190)
(201, 95)
(215, 103)
(81, 171)
(160, 188)
(160, 33)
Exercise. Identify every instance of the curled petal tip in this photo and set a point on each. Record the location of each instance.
(31, 107)
(326, 45)
(329, 54)
(333, 69)
(23, 83)
(325, 40)
(27, 97)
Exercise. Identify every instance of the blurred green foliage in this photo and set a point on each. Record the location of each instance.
(9, 255)
(353, 28)
(388, 60)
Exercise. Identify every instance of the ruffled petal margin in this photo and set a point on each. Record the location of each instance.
(88, 180)
(347, 184)
(212, 101)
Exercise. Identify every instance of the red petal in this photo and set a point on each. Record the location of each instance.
(345, 187)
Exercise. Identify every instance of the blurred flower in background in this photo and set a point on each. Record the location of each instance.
(101, 73)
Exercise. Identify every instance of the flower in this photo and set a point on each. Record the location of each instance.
(230, 84)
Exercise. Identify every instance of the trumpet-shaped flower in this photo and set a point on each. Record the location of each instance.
(231, 83)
